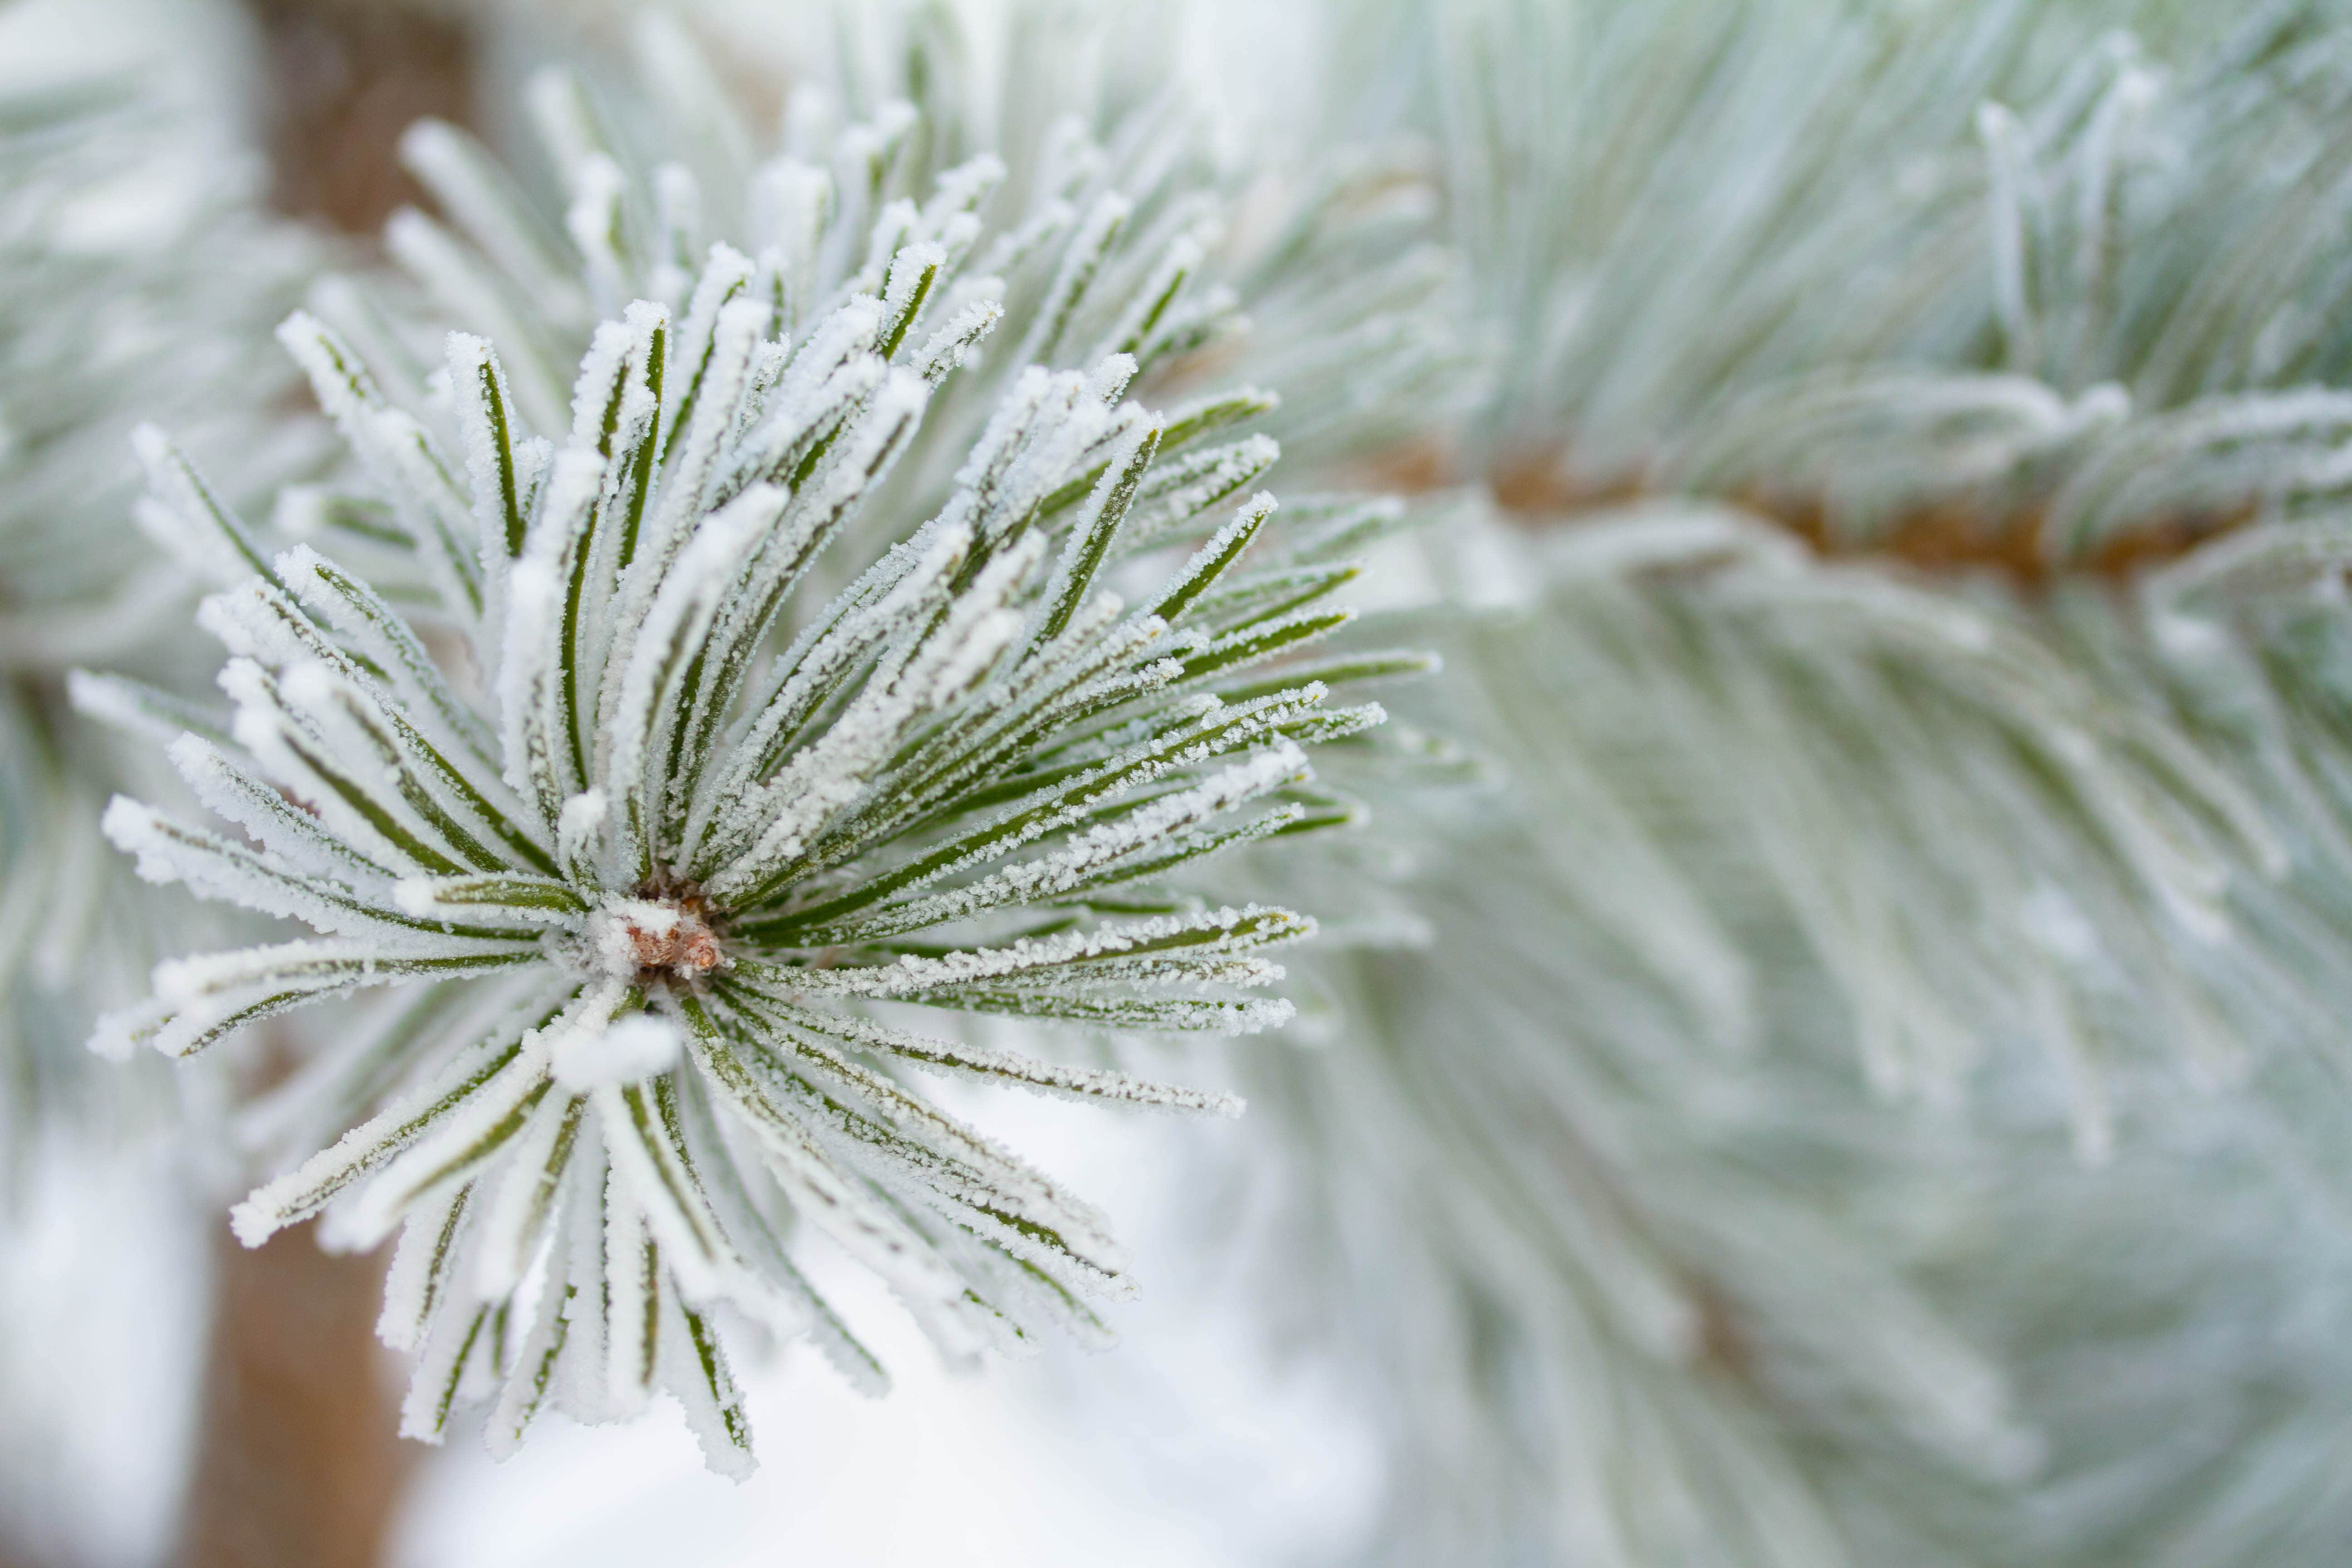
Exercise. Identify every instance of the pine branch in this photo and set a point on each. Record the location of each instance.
(1872, 1078)
(648, 876)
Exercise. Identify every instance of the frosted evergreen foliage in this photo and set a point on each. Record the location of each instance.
(1691, 1282)
(1882, 1055)
(1987, 257)
(670, 850)
(141, 279)
(1095, 229)
(127, 302)
(2144, 365)
(2142, 756)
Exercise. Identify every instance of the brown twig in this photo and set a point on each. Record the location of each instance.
(1535, 490)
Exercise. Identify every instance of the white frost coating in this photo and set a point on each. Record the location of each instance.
(464, 187)
(525, 674)
(830, 1195)
(649, 1166)
(523, 1199)
(495, 443)
(675, 621)
(709, 1396)
(245, 622)
(629, 1050)
(1180, 490)
(842, 339)
(593, 221)
(1148, 310)
(1224, 546)
(891, 413)
(118, 1035)
(181, 516)
(947, 348)
(460, 1142)
(829, 774)
(220, 990)
(735, 337)
(1221, 932)
(418, 1277)
(169, 851)
(1002, 1177)
(262, 729)
(580, 828)
(817, 663)
(1157, 823)
(301, 1193)
(795, 415)
(1082, 262)
(1040, 1077)
(631, 1291)
(156, 716)
(601, 370)
(246, 799)
(617, 934)
(370, 629)
(911, 268)
(341, 388)
(961, 189)
(485, 900)
(628, 812)
(454, 1342)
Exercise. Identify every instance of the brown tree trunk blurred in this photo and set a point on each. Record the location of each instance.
(298, 1463)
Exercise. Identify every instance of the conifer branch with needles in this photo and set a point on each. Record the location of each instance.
(650, 852)
(1326, 324)
(1882, 1051)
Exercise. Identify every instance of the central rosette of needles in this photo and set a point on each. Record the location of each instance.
(664, 935)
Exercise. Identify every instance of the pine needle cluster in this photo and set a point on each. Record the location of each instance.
(667, 841)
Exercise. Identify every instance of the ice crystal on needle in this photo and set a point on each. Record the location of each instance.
(657, 846)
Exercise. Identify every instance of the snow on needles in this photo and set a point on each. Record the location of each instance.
(647, 884)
